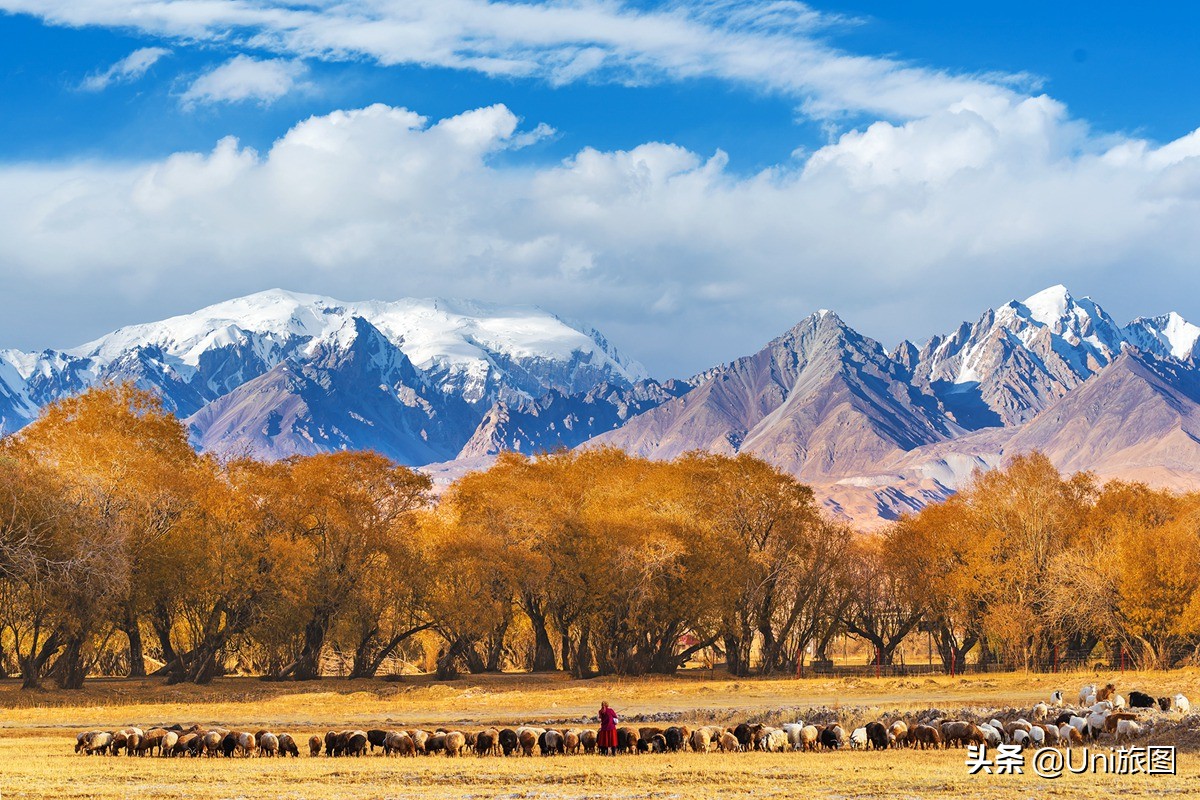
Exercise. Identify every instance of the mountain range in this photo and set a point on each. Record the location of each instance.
(445, 385)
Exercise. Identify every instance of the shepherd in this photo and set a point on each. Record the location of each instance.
(607, 740)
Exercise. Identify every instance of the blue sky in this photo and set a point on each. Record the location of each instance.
(1120, 70)
(927, 132)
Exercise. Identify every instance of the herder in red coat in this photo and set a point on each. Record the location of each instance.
(607, 740)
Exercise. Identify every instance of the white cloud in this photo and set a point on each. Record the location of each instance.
(242, 79)
(772, 44)
(129, 68)
(905, 228)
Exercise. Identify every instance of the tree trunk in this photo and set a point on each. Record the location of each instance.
(543, 650)
(70, 670)
(137, 656)
(307, 666)
(581, 662)
(737, 657)
(565, 647)
(160, 621)
(32, 665)
(447, 660)
(953, 654)
(360, 666)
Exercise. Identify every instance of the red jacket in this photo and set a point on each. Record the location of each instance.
(608, 719)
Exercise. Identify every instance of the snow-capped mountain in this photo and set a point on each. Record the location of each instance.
(1167, 334)
(1018, 359)
(456, 355)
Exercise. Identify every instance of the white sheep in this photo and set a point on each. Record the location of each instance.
(1020, 738)
(1037, 735)
(992, 734)
(1068, 735)
(1181, 704)
(776, 741)
(792, 729)
(1056, 699)
(1118, 702)
(1085, 693)
(1127, 729)
(1096, 721)
(858, 739)
(1040, 712)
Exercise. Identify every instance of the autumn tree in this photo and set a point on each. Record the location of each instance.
(340, 515)
(119, 455)
(58, 568)
(774, 553)
(939, 555)
(881, 607)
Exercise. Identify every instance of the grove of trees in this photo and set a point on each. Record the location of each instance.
(123, 551)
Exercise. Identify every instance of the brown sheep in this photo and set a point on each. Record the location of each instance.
(314, 745)
(646, 735)
(398, 743)
(268, 745)
(331, 748)
(927, 736)
(357, 743)
(419, 738)
(701, 740)
(899, 733)
(152, 741)
(1110, 722)
(287, 746)
(455, 742)
(588, 740)
(1011, 728)
(958, 733)
(528, 739)
(728, 743)
(627, 740)
(184, 745)
(98, 742)
(1106, 693)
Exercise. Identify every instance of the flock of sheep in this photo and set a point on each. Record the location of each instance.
(1100, 711)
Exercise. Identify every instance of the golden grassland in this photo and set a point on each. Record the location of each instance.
(37, 758)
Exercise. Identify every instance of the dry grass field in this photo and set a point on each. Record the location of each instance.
(38, 730)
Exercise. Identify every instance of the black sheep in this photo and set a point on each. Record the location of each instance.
(1140, 700)
(877, 734)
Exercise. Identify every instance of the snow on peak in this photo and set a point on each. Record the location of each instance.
(1167, 332)
(463, 341)
(1049, 305)
(1180, 334)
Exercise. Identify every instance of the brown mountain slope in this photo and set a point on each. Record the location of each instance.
(821, 401)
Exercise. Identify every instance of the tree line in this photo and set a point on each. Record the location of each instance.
(120, 543)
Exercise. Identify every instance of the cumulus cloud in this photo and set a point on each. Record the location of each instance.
(772, 44)
(900, 225)
(242, 79)
(129, 68)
